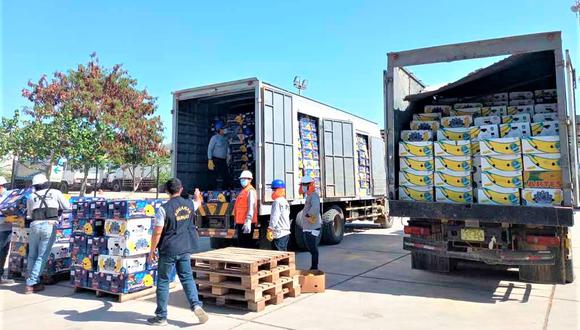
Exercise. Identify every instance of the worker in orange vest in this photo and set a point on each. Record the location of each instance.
(246, 211)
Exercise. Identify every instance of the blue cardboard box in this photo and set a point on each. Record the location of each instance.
(78, 244)
(133, 282)
(97, 245)
(89, 227)
(63, 235)
(127, 209)
(79, 277)
(100, 209)
(56, 266)
(15, 203)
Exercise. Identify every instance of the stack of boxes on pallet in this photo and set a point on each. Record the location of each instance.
(502, 150)
(308, 154)
(110, 245)
(246, 278)
(364, 165)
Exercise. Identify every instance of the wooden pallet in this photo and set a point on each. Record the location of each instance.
(121, 297)
(247, 281)
(239, 301)
(45, 279)
(253, 294)
(241, 261)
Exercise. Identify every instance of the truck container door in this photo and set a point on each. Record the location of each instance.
(278, 152)
(573, 134)
(378, 172)
(338, 149)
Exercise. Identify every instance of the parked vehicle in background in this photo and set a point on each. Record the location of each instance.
(70, 180)
(535, 239)
(128, 178)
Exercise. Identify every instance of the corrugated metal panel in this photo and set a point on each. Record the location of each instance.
(339, 178)
(379, 174)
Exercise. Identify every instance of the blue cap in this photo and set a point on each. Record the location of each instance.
(278, 184)
(218, 124)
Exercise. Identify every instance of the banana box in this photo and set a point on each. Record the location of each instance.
(415, 149)
(455, 134)
(521, 95)
(453, 179)
(56, 266)
(546, 128)
(545, 94)
(457, 121)
(500, 146)
(18, 249)
(487, 132)
(543, 179)
(452, 148)
(502, 179)
(487, 120)
(474, 132)
(109, 264)
(515, 130)
(518, 103)
(98, 245)
(416, 193)
(127, 209)
(453, 163)
(417, 163)
(474, 112)
(416, 135)
(128, 227)
(519, 109)
(454, 195)
(434, 116)
(520, 118)
(542, 197)
(79, 277)
(541, 145)
(541, 117)
(424, 125)
(457, 106)
(410, 177)
(20, 235)
(60, 251)
(546, 108)
(443, 109)
(542, 162)
(120, 246)
(496, 195)
(498, 110)
(89, 227)
(475, 149)
(84, 261)
(505, 163)
(132, 282)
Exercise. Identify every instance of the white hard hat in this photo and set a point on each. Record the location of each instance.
(306, 180)
(246, 175)
(39, 179)
(3, 181)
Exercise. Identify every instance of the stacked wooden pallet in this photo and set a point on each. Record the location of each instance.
(246, 278)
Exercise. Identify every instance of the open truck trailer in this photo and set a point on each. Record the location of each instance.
(285, 136)
(535, 239)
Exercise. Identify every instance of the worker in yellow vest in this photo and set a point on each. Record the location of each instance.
(246, 211)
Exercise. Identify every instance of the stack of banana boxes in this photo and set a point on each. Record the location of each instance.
(502, 150)
(308, 149)
(110, 245)
(364, 165)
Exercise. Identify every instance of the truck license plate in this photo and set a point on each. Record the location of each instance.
(472, 234)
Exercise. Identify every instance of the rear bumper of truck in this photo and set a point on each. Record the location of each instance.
(492, 257)
(524, 215)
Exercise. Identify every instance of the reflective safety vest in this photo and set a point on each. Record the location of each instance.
(241, 206)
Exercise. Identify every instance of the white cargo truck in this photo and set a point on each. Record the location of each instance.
(494, 223)
(343, 151)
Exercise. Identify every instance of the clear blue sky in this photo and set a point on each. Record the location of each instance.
(339, 47)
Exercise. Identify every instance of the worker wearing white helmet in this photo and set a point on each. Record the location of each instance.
(42, 207)
(5, 233)
(310, 218)
(246, 211)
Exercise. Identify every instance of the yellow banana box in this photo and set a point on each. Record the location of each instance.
(542, 162)
(416, 193)
(540, 117)
(424, 125)
(542, 197)
(475, 149)
(475, 112)
(454, 195)
(519, 109)
(453, 179)
(474, 132)
(453, 163)
(521, 102)
(515, 130)
(541, 145)
(455, 134)
(500, 146)
(457, 106)
(452, 148)
(444, 109)
(415, 148)
(487, 120)
(427, 116)
(543, 179)
(417, 163)
(411, 177)
(546, 108)
(500, 110)
(545, 128)
(505, 163)
(498, 196)
(526, 95)
(416, 135)
(502, 179)
(545, 94)
(487, 132)
(457, 121)
(520, 118)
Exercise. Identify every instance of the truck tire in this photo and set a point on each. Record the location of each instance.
(424, 261)
(332, 226)
(64, 187)
(116, 186)
(218, 242)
